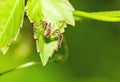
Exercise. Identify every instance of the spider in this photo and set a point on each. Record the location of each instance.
(57, 33)
(47, 31)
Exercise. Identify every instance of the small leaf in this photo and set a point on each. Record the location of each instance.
(107, 16)
(58, 13)
(11, 17)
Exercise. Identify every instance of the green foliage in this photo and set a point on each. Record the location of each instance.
(51, 11)
(11, 16)
(58, 14)
(49, 18)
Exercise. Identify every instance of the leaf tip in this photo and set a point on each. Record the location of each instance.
(44, 59)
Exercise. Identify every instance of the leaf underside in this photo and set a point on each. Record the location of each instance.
(53, 12)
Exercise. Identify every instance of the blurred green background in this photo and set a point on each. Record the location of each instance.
(94, 51)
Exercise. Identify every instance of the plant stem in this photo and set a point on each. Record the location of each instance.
(28, 64)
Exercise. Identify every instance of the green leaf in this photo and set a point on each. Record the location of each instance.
(11, 17)
(107, 16)
(52, 10)
(58, 13)
(46, 49)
